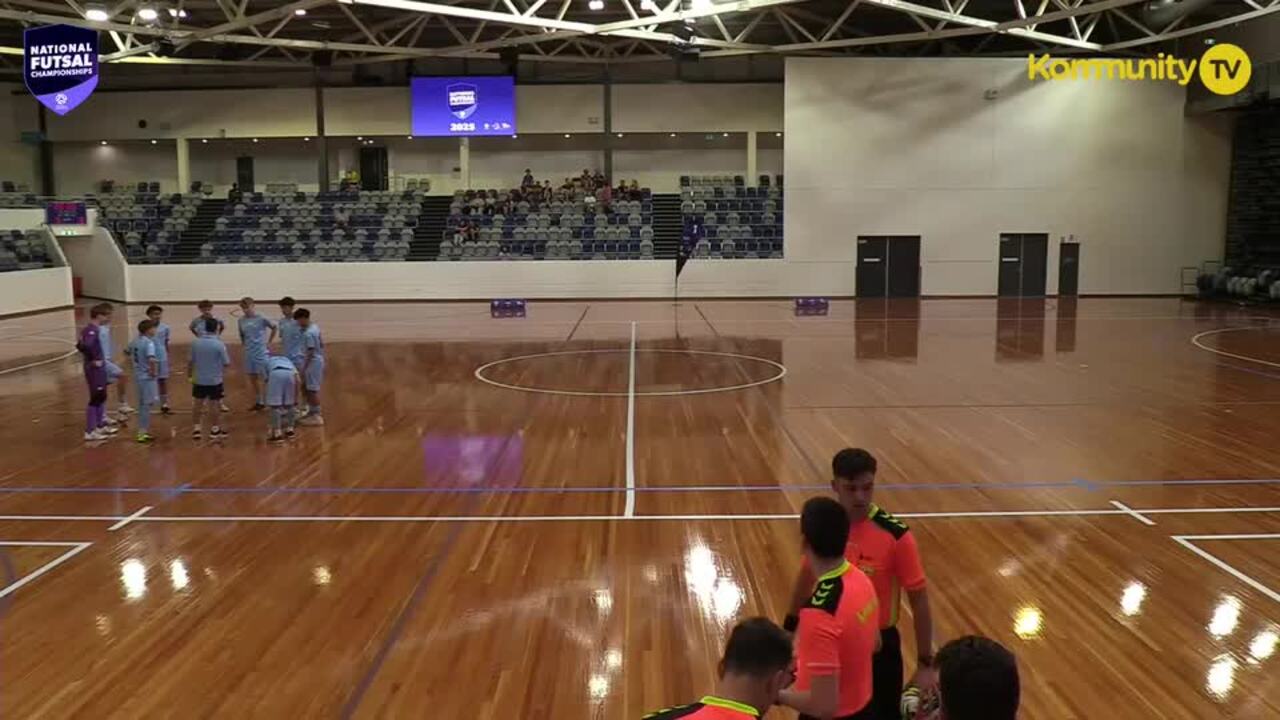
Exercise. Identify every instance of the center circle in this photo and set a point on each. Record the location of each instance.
(776, 371)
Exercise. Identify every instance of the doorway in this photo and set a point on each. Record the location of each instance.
(1069, 269)
(1024, 262)
(888, 266)
(244, 174)
(373, 168)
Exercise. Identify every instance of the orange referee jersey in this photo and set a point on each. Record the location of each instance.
(837, 635)
(885, 550)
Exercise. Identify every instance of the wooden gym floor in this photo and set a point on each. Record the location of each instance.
(1095, 483)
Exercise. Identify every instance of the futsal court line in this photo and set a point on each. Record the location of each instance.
(139, 513)
(1130, 511)
(46, 361)
(1195, 340)
(1187, 541)
(941, 515)
(630, 508)
(76, 549)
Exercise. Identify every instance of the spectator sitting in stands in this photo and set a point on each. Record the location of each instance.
(620, 192)
(528, 180)
(466, 231)
(234, 194)
(588, 181)
(598, 180)
(635, 193)
(604, 195)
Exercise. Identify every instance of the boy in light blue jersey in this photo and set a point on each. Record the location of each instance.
(161, 339)
(142, 355)
(208, 364)
(291, 339)
(199, 326)
(312, 366)
(282, 395)
(115, 374)
(254, 330)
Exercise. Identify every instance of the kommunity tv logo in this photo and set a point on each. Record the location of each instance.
(1224, 69)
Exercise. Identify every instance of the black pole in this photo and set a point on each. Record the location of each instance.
(608, 126)
(322, 143)
(46, 158)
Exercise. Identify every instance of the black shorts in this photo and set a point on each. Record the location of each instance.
(207, 392)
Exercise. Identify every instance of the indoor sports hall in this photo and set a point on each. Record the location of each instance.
(584, 298)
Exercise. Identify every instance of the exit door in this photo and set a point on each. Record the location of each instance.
(373, 168)
(244, 174)
(1024, 261)
(889, 266)
(1069, 269)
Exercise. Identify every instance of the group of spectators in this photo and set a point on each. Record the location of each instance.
(590, 187)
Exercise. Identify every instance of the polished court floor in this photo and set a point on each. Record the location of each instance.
(570, 531)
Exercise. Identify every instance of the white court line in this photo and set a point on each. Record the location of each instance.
(126, 520)
(38, 363)
(631, 428)
(76, 549)
(1185, 541)
(571, 518)
(1130, 511)
(1195, 340)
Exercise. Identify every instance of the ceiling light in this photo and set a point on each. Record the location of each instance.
(619, 134)
(300, 12)
(777, 134)
(596, 4)
(673, 134)
(147, 13)
(360, 137)
(176, 13)
(726, 134)
(409, 137)
(567, 135)
(255, 139)
(513, 137)
(204, 141)
(104, 142)
(649, 5)
(96, 13)
(153, 142)
(306, 139)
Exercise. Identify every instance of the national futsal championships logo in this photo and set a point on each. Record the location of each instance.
(462, 100)
(1224, 69)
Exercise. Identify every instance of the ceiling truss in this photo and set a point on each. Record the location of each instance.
(354, 32)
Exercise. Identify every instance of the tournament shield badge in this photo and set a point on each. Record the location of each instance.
(462, 99)
(60, 65)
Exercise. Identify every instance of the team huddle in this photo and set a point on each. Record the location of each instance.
(276, 380)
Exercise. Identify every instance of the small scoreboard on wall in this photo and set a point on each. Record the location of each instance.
(66, 213)
(463, 106)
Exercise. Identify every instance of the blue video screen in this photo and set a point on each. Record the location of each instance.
(463, 106)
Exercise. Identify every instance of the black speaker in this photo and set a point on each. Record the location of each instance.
(165, 47)
(322, 58)
(510, 59)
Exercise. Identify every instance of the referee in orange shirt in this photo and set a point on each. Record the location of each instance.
(882, 547)
(837, 631)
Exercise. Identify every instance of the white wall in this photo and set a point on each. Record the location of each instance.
(681, 107)
(97, 261)
(79, 167)
(911, 147)
(18, 162)
(31, 290)
(275, 112)
(289, 160)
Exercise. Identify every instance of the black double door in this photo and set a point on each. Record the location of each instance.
(1024, 261)
(374, 169)
(888, 266)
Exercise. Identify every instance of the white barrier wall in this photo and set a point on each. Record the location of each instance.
(912, 147)
(98, 262)
(25, 291)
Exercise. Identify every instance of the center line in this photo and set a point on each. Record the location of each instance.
(125, 521)
(1130, 511)
(631, 428)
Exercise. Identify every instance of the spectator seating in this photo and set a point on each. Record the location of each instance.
(146, 224)
(731, 219)
(283, 226)
(559, 229)
(14, 194)
(23, 250)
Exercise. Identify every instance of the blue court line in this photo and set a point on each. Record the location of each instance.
(187, 488)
